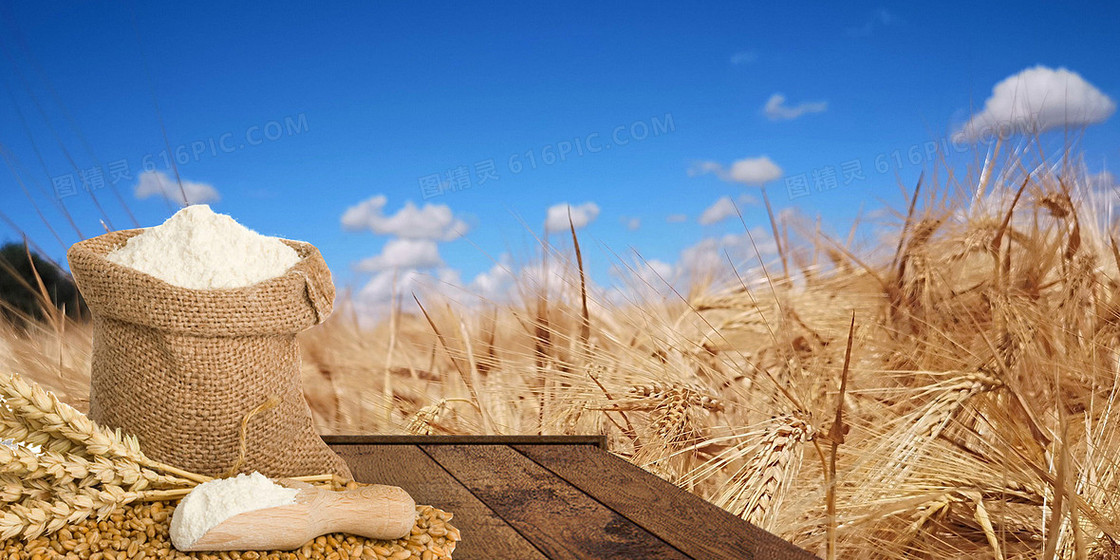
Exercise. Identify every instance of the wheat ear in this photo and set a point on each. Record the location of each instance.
(49, 415)
(756, 490)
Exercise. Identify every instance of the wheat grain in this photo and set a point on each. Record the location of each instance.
(421, 423)
(670, 420)
(95, 472)
(669, 405)
(141, 531)
(42, 412)
(943, 408)
(689, 395)
(754, 493)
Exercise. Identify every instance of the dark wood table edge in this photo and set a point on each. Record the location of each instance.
(597, 441)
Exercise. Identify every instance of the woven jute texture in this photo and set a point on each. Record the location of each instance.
(181, 368)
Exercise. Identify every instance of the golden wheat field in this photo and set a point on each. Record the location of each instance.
(951, 393)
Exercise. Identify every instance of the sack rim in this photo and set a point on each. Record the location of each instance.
(291, 302)
(300, 247)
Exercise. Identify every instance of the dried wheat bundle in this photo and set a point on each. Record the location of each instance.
(62, 468)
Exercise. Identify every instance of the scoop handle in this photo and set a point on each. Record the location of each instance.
(377, 512)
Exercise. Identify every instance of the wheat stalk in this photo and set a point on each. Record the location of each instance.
(43, 412)
(16, 488)
(669, 405)
(421, 423)
(931, 421)
(689, 395)
(670, 420)
(755, 491)
(35, 516)
(81, 470)
(943, 408)
(424, 421)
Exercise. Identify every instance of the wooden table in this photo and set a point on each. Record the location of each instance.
(553, 497)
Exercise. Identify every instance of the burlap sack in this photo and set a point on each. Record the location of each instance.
(181, 368)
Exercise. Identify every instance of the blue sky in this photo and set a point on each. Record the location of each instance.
(293, 114)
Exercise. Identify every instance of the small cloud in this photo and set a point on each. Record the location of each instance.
(744, 57)
(754, 171)
(880, 213)
(582, 215)
(430, 222)
(157, 183)
(374, 298)
(505, 281)
(403, 254)
(748, 171)
(719, 211)
(1102, 180)
(644, 281)
(1036, 100)
(1104, 188)
(705, 167)
(879, 18)
(724, 208)
(659, 268)
(711, 254)
(632, 224)
(495, 284)
(676, 218)
(776, 109)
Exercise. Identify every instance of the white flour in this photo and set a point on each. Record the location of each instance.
(199, 249)
(210, 503)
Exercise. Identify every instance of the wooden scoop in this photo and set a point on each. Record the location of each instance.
(377, 512)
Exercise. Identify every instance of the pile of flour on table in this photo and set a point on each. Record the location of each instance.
(202, 250)
(211, 503)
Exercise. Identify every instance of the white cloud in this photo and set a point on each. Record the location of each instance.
(403, 253)
(724, 208)
(676, 218)
(754, 171)
(748, 171)
(157, 183)
(659, 268)
(777, 110)
(1103, 191)
(632, 224)
(1036, 100)
(1102, 180)
(430, 222)
(643, 281)
(705, 167)
(879, 17)
(711, 254)
(497, 283)
(744, 57)
(375, 297)
(719, 211)
(582, 215)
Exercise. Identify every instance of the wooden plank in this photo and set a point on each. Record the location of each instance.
(684, 520)
(555, 516)
(598, 441)
(485, 534)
